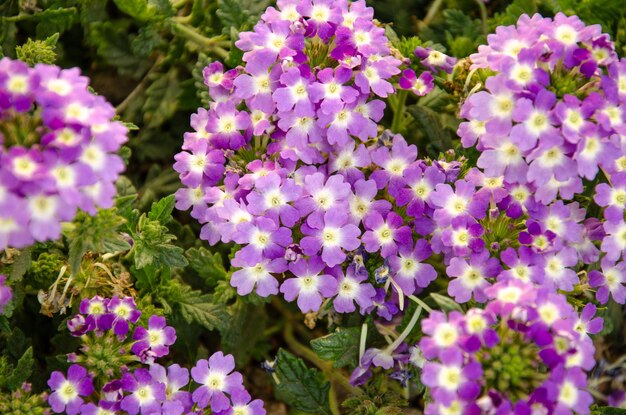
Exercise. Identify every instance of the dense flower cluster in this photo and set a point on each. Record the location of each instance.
(526, 352)
(5, 293)
(57, 145)
(116, 371)
(328, 210)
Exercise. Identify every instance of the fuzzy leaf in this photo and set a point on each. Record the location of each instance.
(153, 246)
(207, 264)
(244, 329)
(340, 347)
(162, 210)
(305, 389)
(99, 234)
(196, 307)
(162, 98)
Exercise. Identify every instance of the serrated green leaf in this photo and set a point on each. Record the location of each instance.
(54, 20)
(305, 389)
(153, 246)
(340, 347)
(244, 329)
(146, 41)
(196, 307)
(12, 377)
(99, 234)
(161, 98)
(429, 120)
(207, 264)
(112, 44)
(145, 10)
(162, 210)
(21, 264)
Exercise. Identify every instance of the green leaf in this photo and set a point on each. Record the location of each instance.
(112, 44)
(244, 329)
(54, 20)
(12, 377)
(340, 347)
(446, 303)
(21, 264)
(512, 13)
(162, 210)
(208, 265)
(304, 389)
(99, 234)
(162, 98)
(609, 410)
(145, 10)
(432, 126)
(153, 246)
(146, 41)
(196, 307)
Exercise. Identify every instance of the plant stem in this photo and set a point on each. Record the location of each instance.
(421, 303)
(483, 16)
(398, 112)
(407, 330)
(210, 44)
(432, 12)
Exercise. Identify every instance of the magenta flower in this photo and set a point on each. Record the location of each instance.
(66, 392)
(199, 166)
(271, 198)
(420, 86)
(331, 92)
(393, 163)
(457, 203)
(155, 340)
(216, 381)
(610, 281)
(174, 378)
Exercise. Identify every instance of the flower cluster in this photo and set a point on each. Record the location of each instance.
(5, 293)
(526, 352)
(57, 145)
(116, 371)
(433, 61)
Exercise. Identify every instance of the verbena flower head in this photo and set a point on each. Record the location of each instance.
(528, 350)
(113, 372)
(57, 151)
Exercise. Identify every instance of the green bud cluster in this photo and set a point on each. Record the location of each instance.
(23, 402)
(512, 367)
(38, 51)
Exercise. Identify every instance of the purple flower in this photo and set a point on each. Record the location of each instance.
(350, 289)
(435, 60)
(202, 164)
(331, 91)
(265, 239)
(393, 163)
(243, 404)
(610, 280)
(556, 269)
(420, 86)
(146, 394)
(216, 381)
(420, 181)
(175, 378)
(66, 392)
(524, 265)
(257, 275)
(457, 203)
(409, 272)
(153, 341)
(331, 236)
(124, 311)
(385, 234)
(311, 285)
(271, 198)
(471, 278)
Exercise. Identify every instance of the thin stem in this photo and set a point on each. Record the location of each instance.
(432, 12)
(483, 16)
(212, 44)
(398, 113)
(362, 341)
(421, 303)
(407, 330)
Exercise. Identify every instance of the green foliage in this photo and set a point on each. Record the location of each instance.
(340, 347)
(99, 234)
(245, 327)
(209, 265)
(153, 246)
(608, 410)
(38, 51)
(12, 377)
(303, 388)
(194, 306)
(161, 98)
